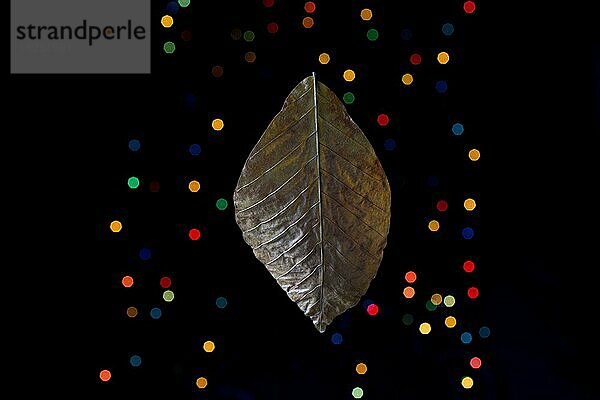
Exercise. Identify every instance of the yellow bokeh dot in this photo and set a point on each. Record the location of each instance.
(407, 79)
(470, 204)
(208, 346)
(366, 14)
(450, 321)
(116, 226)
(433, 225)
(324, 58)
(166, 21)
(474, 154)
(194, 186)
(425, 328)
(217, 124)
(349, 75)
(467, 382)
(201, 382)
(361, 368)
(443, 57)
(436, 299)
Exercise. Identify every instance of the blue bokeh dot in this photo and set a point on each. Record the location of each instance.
(337, 338)
(468, 233)
(458, 129)
(441, 86)
(190, 100)
(134, 145)
(195, 149)
(447, 29)
(145, 254)
(406, 34)
(221, 302)
(389, 144)
(172, 7)
(135, 361)
(484, 332)
(466, 338)
(156, 313)
(433, 181)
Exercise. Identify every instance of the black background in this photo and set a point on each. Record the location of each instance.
(524, 81)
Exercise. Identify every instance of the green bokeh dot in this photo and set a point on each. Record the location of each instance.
(169, 47)
(430, 306)
(249, 36)
(184, 3)
(168, 296)
(372, 34)
(348, 98)
(222, 204)
(357, 393)
(133, 182)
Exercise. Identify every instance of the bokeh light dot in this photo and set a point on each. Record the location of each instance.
(425, 328)
(469, 7)
(450, 321)
(389, 144)
(484, 332)
(436, 299)
(405, 34)
(383, 119)
(308, 22)
(127, 281)
(194, 186)
(433, 225)
(441, 205)
(448, 29)
(409, 292)
(250, 57)
(135, 361)
(184, 3)
(474, 155)
(466, 337)
(156, 313)
(116, 226)
(470, 204)
(132, 312)
(168, 296)
(468, 233)
(407, 319)
(469, 266)
(407, 79)
(357, 393)
(310, 7)
(236, 34)
(209, 346)
(443, 57)
(458, 129)
(134, 145)
(349, 75)
(217, 124)
(415, 59)
(217, 71)
(410, 276)
(361, 368)
(467, 382)
(201, 382)
(449, 301)
(337, 338)
(268, 3)
(372, 309)
(272, 27)
(169, 47)
(324, 58)
(165, 282)
(173, 7)
(194, 234)
(366, 14)
(221, 302)
(105, 375)
(372, 34)
(348, 98)
(475, 362)
(195, 149)
(473, 292)
(166, 21)
(430, 306)
(145, 254)
(133, 182)
(249, 36)
(441, 86)
(222, 204)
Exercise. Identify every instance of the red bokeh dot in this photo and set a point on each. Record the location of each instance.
(194, 234)
(442, 205)
(372, 309)
(165, 282)
(469, 266)
(475, 362)
(310, 7)
(410, 276)
(154, 186)
(272, 27)
(268, 3)
(127, 281)
(105, 375)
(469, 7)
(383, 119)
(415, 59)
(473, 292)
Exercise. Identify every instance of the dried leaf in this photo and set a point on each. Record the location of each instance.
(313, 202)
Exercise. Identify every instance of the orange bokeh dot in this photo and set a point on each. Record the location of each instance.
(105, 375)
(127, 281)
(408, 292)
(308, 22)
